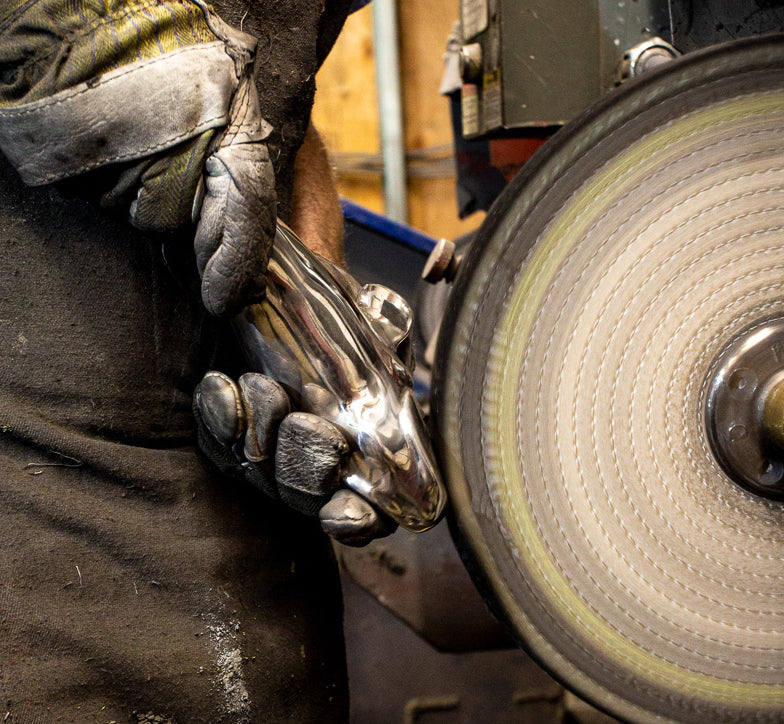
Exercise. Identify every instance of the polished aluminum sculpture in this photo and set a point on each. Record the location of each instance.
(342, 351)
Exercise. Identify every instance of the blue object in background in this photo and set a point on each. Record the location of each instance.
(383, 251)
(402, 233)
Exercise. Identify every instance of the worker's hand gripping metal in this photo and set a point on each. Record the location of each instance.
(339, 349)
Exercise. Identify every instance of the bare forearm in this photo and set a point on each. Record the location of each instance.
(316, 216)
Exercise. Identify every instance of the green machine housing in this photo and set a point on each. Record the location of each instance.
(535, 64)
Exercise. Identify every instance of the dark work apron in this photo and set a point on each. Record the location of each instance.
(135, 583)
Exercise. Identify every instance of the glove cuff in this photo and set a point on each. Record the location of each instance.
(119, 117)
(131, 112)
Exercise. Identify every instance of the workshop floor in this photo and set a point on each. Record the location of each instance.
(396, 677)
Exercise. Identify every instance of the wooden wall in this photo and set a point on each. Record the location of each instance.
(346, 113)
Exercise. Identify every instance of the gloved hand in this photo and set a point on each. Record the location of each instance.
(248, 431)
(133, 103)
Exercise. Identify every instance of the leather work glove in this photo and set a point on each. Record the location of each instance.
(151, 105)
(249, 432)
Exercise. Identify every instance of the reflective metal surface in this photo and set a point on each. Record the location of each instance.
(646, 55)
(743, 414)
(330, 343)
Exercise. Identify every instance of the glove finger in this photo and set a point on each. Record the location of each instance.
(236, 226)
(307, 461)
(220, 407)
(220, 420)
(351, 520)
(266, 405)
(212, 212)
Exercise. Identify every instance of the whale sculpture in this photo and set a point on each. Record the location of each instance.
(342, 351)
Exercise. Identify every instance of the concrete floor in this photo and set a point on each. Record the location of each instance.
(397, 677)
